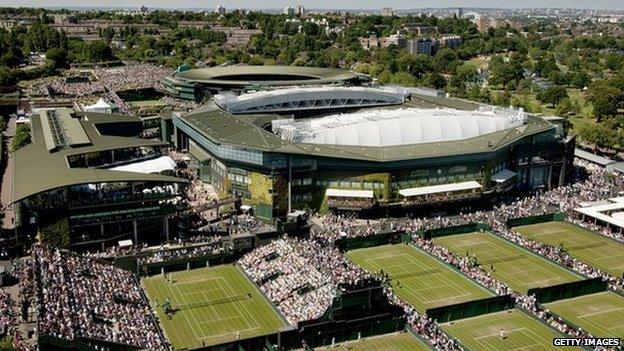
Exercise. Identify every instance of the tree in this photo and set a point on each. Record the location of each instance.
(604, 98)
(56, 234)
(7, 77)
(58, 57)
(552, 95)
(434, 80)
(21, 137)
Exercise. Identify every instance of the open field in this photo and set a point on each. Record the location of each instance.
(591, 248)
(424, 281)
(518, 268)
(211, 306)
(391, 342)
(522, 332)
(601, 314)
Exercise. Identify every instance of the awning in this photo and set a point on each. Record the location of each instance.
(245, 208)
(125, 243)
(444, 188)
(503, 176)
(591, 157)
(157, 165)
(363, 194)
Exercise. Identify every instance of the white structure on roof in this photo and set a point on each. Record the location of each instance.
(309, 98)
(404, 126)
(100, 106)
(154, 166)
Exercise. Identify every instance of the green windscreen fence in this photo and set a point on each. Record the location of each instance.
(471, 308)
(361, 242)
(568, 290)
(555, 216)
(454, 230)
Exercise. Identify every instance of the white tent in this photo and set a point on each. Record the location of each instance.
(100, 106)
(157, 165)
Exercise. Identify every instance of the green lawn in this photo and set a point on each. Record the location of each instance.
(213, 305)
(424, 281)
(518, 268)
(591, 248)
(391, 342)
(146, 103)
(523, 332)
(601, 314)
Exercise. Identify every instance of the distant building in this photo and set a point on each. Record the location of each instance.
(289, 11)
(459, 13)
(451, 41)
(301, 11)
(420, 29)
(483, 23)
(387, 12)
(396, 39)
(421, 46)
(369, 42)
(220, 10)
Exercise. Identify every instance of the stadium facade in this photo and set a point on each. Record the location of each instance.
(198, 84)
(88, 181)
(366, 149)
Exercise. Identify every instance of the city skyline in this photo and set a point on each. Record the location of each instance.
(345, 4)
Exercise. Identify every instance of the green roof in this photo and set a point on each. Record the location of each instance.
(265, 75)
(37, 170)
(222, 127)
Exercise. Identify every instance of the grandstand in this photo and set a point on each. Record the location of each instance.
(522, 332)
(589, 247)
(195, 84)
(517, 267)
(421, 280)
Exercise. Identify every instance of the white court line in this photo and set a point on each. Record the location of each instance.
(600, 312)
(236, 304)
(185, 317)
(498, 333)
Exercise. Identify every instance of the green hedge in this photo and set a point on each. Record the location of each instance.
(471, 308)
(549, 217)
(568, 290)
(360, 242)
(454, 230)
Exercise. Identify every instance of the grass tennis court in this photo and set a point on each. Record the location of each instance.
(391, 342)
(518, 268)
(146, 103)
(425, 281)
(591, 248)
(213, 305)
(601, 314)
(522, 332)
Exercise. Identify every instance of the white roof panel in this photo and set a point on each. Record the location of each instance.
(402, 126)
(157, 165)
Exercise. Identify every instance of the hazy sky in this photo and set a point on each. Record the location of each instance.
(398, 4)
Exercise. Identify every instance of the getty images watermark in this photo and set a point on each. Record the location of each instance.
(589, 342)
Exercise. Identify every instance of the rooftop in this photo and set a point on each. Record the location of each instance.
(404, 126)
(266, 75)
(38, 169)
(221, 127)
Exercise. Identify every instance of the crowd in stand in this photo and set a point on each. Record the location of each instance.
(130, 76)
(208, 246)
(6, 312)
(300, 276)
(83, 297)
